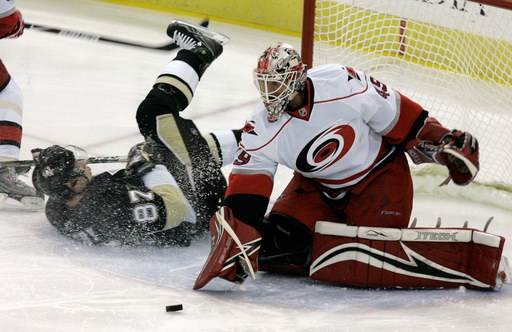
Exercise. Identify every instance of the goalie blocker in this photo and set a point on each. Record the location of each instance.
(408, 258)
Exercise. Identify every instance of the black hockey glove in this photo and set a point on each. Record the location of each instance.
(140, 160)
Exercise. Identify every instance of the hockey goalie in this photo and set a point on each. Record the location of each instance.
(344, 215)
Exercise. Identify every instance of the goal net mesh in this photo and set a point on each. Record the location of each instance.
(452, 57)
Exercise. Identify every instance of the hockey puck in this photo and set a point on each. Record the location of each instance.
(175, 307)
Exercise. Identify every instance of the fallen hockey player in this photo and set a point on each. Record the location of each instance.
(343, 217)
(172, 183)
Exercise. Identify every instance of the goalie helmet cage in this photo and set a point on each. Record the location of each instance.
(453, 57)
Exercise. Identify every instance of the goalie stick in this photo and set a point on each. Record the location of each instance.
(92, 37)
(90, 160)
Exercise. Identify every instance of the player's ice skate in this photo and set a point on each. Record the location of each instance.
(205, 43)
(16, 194)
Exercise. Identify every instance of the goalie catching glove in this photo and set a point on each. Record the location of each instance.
(455, 149)
(234, 252)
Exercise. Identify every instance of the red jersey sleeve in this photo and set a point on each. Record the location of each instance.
(252, 184)
(409, 111)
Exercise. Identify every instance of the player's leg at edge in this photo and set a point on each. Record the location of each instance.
(14, 193)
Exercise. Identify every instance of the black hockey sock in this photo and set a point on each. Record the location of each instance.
(193, 60)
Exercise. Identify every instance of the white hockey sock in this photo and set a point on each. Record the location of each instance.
(182, 76)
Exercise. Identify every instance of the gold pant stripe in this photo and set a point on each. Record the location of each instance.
(169, 134)
(12, 106)
(177, 84)
(213, 148)
(175, 204)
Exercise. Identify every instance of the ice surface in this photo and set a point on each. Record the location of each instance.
(84, 93)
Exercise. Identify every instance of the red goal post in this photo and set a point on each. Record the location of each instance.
(453, 57)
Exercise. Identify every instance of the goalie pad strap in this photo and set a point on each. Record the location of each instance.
(410, 258)
(234, 250)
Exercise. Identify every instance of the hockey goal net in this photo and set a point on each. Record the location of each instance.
(453, 57)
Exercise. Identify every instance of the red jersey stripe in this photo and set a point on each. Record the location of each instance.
(255, 184)
(10, 133)
(409, 112)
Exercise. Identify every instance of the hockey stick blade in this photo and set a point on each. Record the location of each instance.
(94, 38)
(90, 160)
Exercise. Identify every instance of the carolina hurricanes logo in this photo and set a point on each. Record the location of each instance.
(249, 128)
(326, 148)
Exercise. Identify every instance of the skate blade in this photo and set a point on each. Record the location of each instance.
(25, 204)
(219, 37)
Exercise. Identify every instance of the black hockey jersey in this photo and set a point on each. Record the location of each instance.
(110, 212)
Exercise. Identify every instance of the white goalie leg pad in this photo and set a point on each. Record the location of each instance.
(406, 258)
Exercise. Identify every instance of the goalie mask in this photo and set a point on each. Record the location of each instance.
(279, 76)
(55, 166)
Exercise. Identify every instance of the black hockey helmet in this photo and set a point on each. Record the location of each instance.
(55, 166)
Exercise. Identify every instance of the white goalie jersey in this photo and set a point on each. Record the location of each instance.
(350, 124)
